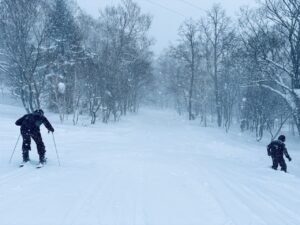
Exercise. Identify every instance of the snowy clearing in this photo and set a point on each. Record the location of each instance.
(153, 168)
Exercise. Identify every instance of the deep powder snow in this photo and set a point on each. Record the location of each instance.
(152, 168)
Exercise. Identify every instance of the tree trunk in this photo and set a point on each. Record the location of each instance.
(94, 117)
(191, 116)
(296, 115)
(216, 80)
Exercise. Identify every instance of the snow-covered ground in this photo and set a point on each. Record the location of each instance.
(152, 168)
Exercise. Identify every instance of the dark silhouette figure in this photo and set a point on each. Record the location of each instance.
(30, 128)
(276, 149)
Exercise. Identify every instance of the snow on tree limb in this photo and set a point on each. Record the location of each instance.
(291, 74)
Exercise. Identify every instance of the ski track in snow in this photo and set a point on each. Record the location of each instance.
(150, 169)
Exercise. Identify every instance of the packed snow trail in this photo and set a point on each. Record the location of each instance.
(149, 169)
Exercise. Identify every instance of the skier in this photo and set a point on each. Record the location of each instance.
(276, 149)
(30, 128)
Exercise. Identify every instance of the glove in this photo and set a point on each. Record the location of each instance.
(50, 131)
(290, 159)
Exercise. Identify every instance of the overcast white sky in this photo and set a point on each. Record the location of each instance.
(168, 14)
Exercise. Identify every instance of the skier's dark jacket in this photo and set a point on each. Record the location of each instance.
(31, 123)
(276, 149)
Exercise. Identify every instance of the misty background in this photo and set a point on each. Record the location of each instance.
(223, 65)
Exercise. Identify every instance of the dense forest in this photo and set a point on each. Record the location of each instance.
(222, 71)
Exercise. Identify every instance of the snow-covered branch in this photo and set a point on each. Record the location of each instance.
(291, 74)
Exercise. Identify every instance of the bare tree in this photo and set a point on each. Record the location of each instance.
(216, 27)
(188, 52)
(276, 26)
(123, 56)
(23, 32)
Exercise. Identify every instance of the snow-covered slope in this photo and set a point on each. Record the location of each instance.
(152, 168)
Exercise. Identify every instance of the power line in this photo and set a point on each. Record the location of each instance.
(166, 8)
(192, 5)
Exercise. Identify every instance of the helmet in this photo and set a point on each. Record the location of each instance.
(281, 138)
(39, 111)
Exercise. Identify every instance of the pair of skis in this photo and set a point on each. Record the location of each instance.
(38, 166)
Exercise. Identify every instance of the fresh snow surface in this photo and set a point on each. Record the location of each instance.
(153, 168)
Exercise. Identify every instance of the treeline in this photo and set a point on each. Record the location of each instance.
(54, 55)
(221, 70)
(246, 69)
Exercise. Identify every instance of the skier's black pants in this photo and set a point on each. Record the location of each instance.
(37, 137)
(279, 161)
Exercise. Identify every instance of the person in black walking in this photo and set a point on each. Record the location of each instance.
(30, 128)
(276, 149)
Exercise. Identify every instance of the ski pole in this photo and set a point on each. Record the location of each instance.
(14, 149)
(56, 149)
